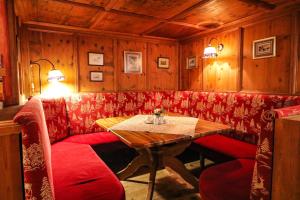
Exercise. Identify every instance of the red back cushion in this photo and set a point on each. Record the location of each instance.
(56, 118)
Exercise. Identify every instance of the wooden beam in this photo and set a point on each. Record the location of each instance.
(260, 3)
(41, 26)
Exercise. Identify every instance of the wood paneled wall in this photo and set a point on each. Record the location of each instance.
(69, 52)
(236, 70)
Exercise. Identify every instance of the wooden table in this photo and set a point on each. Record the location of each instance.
(159, 149)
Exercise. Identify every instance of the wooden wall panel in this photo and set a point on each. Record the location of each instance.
(191, 79)
(297, 55)
(162, 79)
(270, 75)
(99, 45)
(131, 81)
(221, 74)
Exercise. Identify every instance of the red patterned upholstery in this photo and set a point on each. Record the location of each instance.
(250, 114)
(126, 104)
(38, 180)
(79, 174)
(56, 118)
(180, 103)
(227, 181)
(84, 109)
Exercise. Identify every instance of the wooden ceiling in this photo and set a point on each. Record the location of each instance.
(162, 18)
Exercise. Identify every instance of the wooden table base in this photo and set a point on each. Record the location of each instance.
(159, 156)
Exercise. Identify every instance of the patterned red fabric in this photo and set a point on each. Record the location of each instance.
(180, 102)
(146, 102)
(79, 174)
(239, 110)
(84, 109)
(56, 118)
(262, 174)
(164, 99)
(38, 180)
(227, 181)
(126, 104)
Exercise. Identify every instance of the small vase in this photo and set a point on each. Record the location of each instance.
(156, 120)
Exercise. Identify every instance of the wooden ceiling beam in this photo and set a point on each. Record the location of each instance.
(260, 3)
(173, 18)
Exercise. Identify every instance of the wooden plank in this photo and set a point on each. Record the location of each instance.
(139, 139)
(2, 72)
(286, 164)
(271, 74)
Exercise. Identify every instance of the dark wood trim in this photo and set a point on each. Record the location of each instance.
(259, 3)
(294, 65)
(240, 60)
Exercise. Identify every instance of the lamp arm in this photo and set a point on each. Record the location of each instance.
(42, 59)
(40, 81)
(213, 39)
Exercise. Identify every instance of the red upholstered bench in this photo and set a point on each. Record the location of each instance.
(243, 179)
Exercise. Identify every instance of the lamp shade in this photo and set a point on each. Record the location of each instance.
(55, 75)
(210, 52)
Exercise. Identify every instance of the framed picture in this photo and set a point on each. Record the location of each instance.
(133, 62)
(95, 59)
(96, 76)
(191, 62)
(163, 63)
(264, 48)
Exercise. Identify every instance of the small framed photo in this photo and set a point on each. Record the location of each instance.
(95, 59)
(133, 62)
(264, 48)
(163, 62)
(191, 62)
(96, 76)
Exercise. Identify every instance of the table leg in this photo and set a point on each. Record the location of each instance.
(155, 162)
(141, 160)
(172, 164)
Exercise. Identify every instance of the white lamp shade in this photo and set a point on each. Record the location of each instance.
(210, 52)
(55, 75)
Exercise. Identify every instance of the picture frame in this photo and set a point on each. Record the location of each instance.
(96, 76)
(163, 62)
(264, 48)
(95, 59)
(133, 62)
(191, 62)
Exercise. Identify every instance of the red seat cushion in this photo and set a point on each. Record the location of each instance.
(93, 138)
(79, 174)
(227, 146)
(230, 180)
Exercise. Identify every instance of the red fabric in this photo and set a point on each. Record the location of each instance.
(93, 138)
(146, 102)
(84, 109)
(38, 180)
(126, 104)
(227, 146)
(288, 111)
(79, 174)
(227, 181)
(56, 118)
(180, 102)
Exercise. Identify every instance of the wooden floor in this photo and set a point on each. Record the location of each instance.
(168, 186)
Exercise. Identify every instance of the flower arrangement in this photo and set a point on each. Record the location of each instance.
(158, 111)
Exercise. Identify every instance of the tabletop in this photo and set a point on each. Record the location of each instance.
(142, 139)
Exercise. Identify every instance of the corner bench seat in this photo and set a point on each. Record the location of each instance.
(93, 139)
(230, 180)
(78, 174)
(226, 146)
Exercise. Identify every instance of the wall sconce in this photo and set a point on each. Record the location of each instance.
(211, 51)
(53, 75)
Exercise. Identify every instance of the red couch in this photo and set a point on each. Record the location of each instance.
(71, 121)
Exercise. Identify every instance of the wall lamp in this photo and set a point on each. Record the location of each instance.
(53, 75)
(211, 51)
